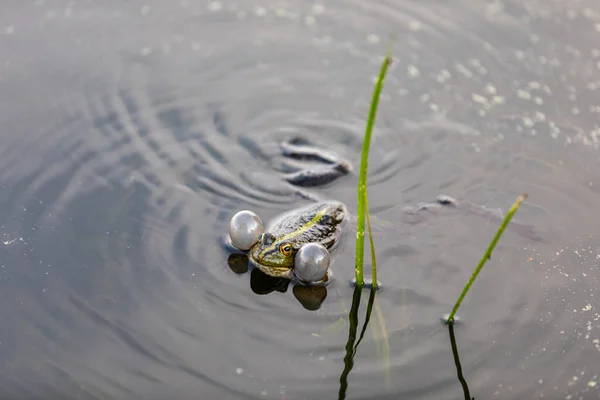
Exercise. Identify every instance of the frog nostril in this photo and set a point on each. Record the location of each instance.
(268, 238)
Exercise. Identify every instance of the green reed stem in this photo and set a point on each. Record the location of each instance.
(362, 180)
(487, 255)
(371, 244)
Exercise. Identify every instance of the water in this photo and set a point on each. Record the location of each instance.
(132, 131)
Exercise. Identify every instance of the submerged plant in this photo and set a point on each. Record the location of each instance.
(362, 180)
(487, 255)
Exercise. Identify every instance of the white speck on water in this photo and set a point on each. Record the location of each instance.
(372, 38)
(9, 30)
(463, 70)
(321, 358)
(587, 307)
(145, 51)
(318, 9)
(498, 100)
(490, 89)
(528, 122)
(215, 6)
(475, 63)
(479, 99)
(239, 371)
(592, 384)
(443, 76)
(414, 25)
(283, 13)
(538, 100)
(412, 71)
(145, 10)
(263, 393)
(523, 94)
(323, 41)
(310, 20)
(260, 11)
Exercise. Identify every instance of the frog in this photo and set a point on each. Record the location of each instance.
(323, 220)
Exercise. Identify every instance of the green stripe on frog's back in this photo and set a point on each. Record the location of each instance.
(314, 223)
(320, 223)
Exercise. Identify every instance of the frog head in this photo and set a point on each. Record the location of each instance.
(276, 255)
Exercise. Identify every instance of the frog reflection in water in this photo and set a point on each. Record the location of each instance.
(322, 222)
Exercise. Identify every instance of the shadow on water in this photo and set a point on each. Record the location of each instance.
(311, 297)
(461, 378)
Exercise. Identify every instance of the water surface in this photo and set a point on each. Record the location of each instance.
(131, 132)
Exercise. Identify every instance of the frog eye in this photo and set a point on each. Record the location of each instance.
(260, 238)
(286, 249)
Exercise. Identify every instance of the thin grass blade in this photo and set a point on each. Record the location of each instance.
(487, 255)
(362, 180)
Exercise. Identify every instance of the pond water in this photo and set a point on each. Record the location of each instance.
(132, 131)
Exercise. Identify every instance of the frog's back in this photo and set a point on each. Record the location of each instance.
(320, 222)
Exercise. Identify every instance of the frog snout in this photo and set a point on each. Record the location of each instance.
(268, 238)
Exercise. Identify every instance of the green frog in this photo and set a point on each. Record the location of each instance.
(274, 253)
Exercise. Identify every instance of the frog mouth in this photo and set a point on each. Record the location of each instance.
(276, 271)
